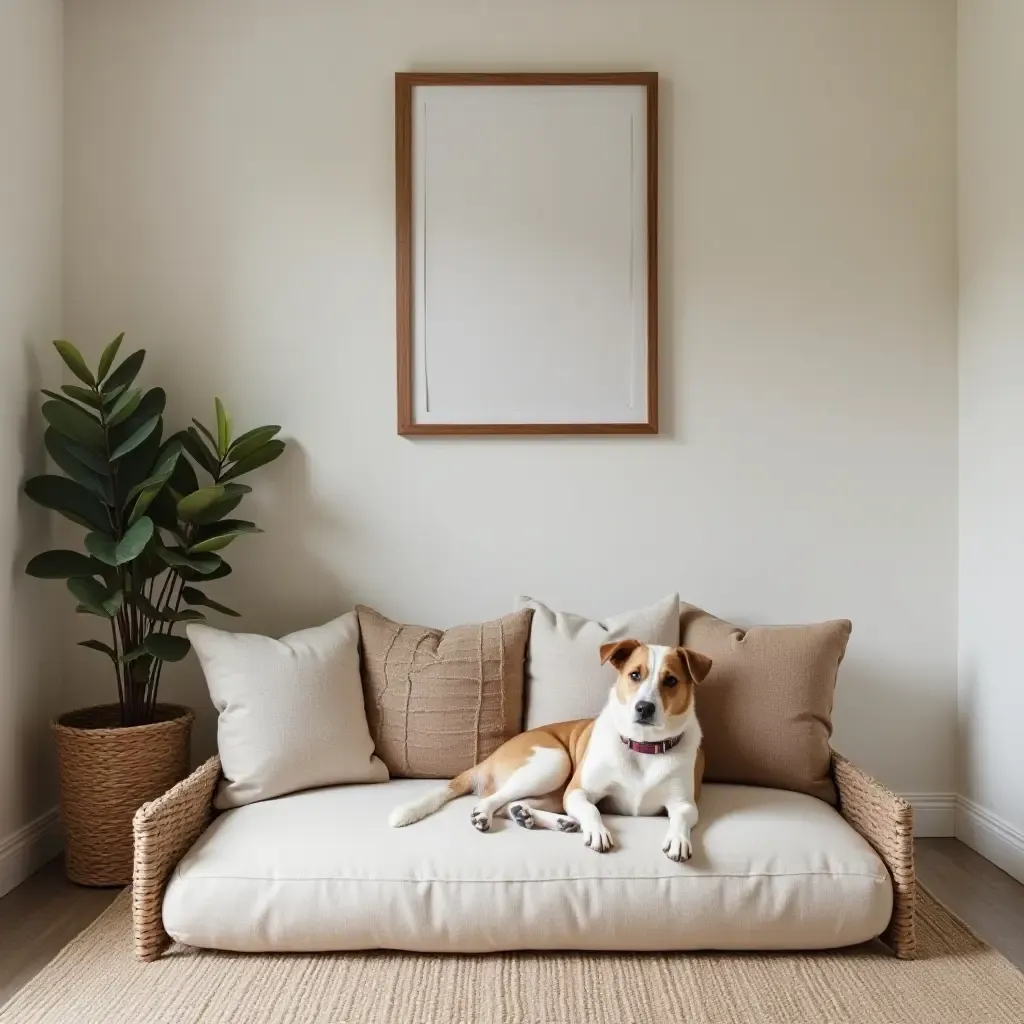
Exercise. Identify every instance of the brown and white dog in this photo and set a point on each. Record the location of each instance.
(641, 755)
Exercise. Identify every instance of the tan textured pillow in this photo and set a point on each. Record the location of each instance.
(439, 701)
(766, 706)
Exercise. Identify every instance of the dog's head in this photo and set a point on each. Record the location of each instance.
(653, 694)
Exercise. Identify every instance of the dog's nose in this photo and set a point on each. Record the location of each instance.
(644, 710)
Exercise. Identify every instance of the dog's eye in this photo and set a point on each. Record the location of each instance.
(635, 675)
(669, 681)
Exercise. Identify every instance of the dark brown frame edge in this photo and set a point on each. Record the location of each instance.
(405, 82)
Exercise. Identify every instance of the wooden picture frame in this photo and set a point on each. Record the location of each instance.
(619, 119)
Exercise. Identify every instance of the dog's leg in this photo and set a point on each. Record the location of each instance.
(584, 810)
(682, 816)
(545, 770)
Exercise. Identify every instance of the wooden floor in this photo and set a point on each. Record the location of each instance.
(47, 911)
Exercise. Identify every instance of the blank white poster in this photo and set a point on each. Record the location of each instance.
(529, 254)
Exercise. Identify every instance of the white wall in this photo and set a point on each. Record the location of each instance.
(991, 204)
(230, 203)
(30, 297)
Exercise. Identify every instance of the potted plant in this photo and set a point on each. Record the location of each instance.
(154, 534)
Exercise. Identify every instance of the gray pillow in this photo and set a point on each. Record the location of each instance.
(564, 675)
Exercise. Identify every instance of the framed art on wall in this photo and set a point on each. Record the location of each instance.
(526, 215)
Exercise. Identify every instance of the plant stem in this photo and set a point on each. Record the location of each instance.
(117, 671)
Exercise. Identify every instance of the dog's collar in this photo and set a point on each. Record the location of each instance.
(651, 748)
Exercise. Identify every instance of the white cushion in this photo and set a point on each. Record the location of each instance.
(291, 712)
(565, 679)
(323, 870)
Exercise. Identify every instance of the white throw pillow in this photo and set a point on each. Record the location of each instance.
(291, 712)
(564, 675)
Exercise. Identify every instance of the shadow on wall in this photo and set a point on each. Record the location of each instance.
(33, 619)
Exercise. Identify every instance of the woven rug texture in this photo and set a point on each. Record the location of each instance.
(94, 980)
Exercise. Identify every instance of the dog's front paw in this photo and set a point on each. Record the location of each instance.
(677, 848)
(480, 819)
(598, 839)
(521, 815)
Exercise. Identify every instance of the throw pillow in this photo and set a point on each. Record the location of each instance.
(564, 675)
(440, 701)
(290, 711)
(766, 706)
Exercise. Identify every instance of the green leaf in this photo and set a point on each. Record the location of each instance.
(250, 441)
(91, 593)
(166, 647)
(207, 434)
(165, 614)
(124, 406)
(198, 577)
(162, 471)
(134, 440)
(126, 372)
(197, 448)
(74, 422)
(83, 395)
(223, 428)
(220, 536)
(193, 596)
(132, 544)
(113, 604)
(96, 645)
(109, 397)
(65, 452)
(199, 501)
(61, 565)
(137, 465)
(75, 362)
(183, 479)
(58, 449)
(152, 404)
(57, 396)
(108, 357)
(218, 510)
(147, 491)
(101, 547)
(205, 565)
(70, 499)
(88, 609)
(270, 451)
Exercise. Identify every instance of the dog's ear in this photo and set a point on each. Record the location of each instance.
(697, 664)
(618, 652)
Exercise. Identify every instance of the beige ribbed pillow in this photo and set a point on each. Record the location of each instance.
(437, 701)
(565, 679)
(290, 711)
(766, 706)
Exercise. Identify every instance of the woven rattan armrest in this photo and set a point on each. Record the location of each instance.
(165, 828)
(887, 822)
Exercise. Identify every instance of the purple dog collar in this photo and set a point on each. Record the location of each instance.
(651, 748)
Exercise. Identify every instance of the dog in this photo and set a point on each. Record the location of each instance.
(642, 755)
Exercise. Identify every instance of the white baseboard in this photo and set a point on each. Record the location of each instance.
(991, 836)
(934, 813)
(29, 849)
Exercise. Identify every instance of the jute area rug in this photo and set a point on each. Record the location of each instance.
(957, 980)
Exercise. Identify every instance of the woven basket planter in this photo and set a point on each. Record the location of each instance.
(107, 771)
